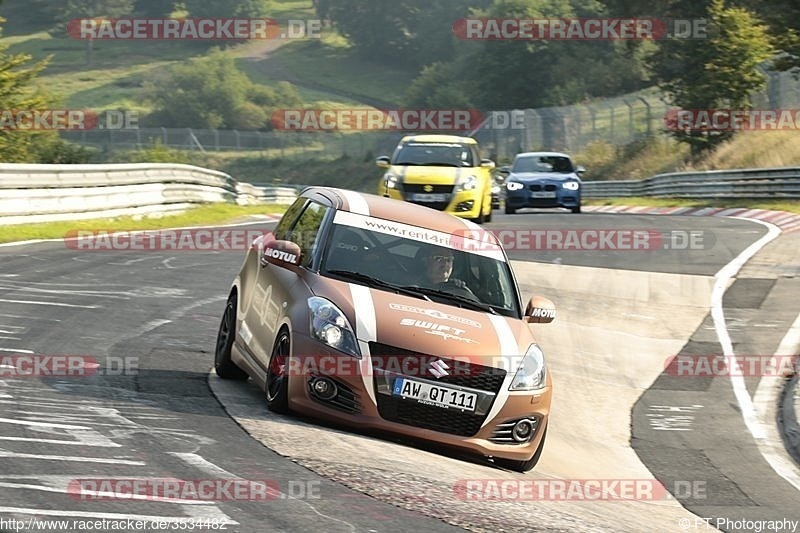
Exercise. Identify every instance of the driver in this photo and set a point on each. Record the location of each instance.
(438, 264)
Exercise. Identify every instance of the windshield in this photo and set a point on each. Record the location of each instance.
(433, 154)
(542, 163)
(422, 269)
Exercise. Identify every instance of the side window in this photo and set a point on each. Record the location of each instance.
(291, 214)
(306, 230)
(476, 156)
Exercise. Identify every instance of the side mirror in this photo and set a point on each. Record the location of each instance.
(540, 310)
(499, 179)
(280, 253)
(487, 163)
(580, 169)
(383, 161)
(504, 170)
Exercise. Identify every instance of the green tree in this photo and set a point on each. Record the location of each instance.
(718, 72)
(153, 8)
(228, 8)
(211, 92)
(17, 92)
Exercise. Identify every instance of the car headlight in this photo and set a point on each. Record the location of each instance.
(390, 181)
(514, 185)
(466, 183)
(329, 326)
(532, 372)
(572, 185)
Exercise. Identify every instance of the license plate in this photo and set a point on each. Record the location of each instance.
(429, 197)
(546, 194)
(437, 395)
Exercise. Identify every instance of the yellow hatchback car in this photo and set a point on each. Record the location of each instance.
(443, 172)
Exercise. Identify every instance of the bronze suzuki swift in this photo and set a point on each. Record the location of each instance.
(389, 316)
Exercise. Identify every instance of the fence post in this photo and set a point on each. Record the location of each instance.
(164, 136)
(216, 140)
(649, 116)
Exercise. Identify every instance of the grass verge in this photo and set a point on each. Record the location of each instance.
(205, 215)
(790, 206)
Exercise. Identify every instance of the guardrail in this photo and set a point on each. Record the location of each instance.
(778, 183)
(47, 193)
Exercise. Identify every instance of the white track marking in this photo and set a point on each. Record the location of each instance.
(71, 458)
(211, 469)
(749, 414)
(15, 350)
(54, 304)
(40, 424)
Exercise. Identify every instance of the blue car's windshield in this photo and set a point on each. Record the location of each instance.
(542, 163)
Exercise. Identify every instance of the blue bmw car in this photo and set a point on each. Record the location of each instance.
(542, 179)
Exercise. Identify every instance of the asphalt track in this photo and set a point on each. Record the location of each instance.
(159, 312)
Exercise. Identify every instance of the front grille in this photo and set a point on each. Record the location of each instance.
(408, 412)
(439, 206)
(535, 187)
(421, 188)
(550, 187)
(466, 374)
(502, 432)
(428, 417)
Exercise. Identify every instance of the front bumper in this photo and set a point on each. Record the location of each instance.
(367, 403)
(543, 196)
(465, 204)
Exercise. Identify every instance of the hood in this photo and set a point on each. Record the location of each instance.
(430, 175)
(530, 177)
(410, 324)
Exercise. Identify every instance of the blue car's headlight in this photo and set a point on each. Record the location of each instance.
(572, 185)
(514, 185)
(329, 326)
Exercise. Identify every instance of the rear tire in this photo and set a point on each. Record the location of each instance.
(223, 365)
(277, 383)
(524, 466)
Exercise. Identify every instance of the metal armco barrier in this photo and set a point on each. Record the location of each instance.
(778, 183)
(47, 193)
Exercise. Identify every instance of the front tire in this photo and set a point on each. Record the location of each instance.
(576, 209)
(277, 383)
(524, 466)
(480, 219)
(223, 364)
(510, 210)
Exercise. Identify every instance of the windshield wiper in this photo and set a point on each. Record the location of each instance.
(473, 304)
(375, 282)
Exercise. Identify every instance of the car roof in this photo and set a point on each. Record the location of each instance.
(539, 154)
(397, 211)
(431, 138)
